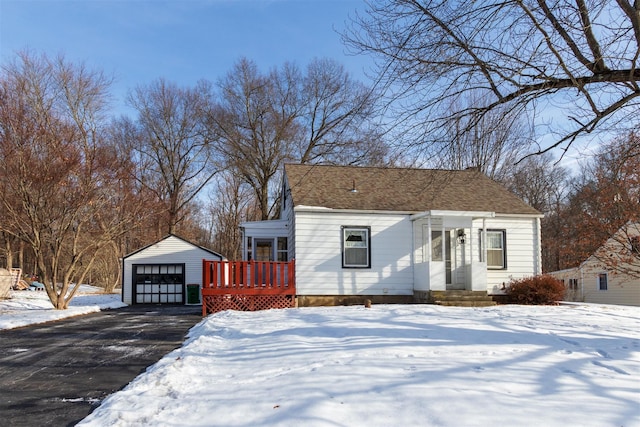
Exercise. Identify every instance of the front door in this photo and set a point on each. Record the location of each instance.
(455, 261)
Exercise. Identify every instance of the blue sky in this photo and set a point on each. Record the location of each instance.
(138, 41)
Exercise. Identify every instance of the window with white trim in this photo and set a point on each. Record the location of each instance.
(249, 248)
(282, 249)
(496, 248)
(356, 247)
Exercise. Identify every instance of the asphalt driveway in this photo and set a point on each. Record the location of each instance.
(55, 374)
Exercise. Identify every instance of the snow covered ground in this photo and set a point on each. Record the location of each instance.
(29, 307)
(390, 365)
(411, 365)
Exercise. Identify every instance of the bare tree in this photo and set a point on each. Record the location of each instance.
(59, 178)
(604, 202)
(544, 184)
(174, 148)
(540, 182)
(617, 196)
(263, 120)
(230, 203)
(573, 62)
(493, 143)
(336, 118)
(256, 121)
(106, 271)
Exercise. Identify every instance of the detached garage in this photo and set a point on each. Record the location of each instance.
(162, 272)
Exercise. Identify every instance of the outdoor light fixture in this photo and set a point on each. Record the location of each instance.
(461, 236)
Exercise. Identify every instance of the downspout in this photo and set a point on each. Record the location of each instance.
(581, 284)
(243, 248)
(122, 283)
(413, 257)
(443, 242)
(428, 248)
(471, 268)
(538, 269)
(428, 257)
(484, 240)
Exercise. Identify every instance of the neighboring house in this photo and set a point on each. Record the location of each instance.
(396, 234)
(162, 272)
(611, 275)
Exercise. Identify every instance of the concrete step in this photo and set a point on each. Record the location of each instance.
(462, 303)
(461, 298)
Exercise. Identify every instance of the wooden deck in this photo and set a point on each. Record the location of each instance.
(247, 285)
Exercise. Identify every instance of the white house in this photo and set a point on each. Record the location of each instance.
(397, 233)
(162, 272)
(611, 275)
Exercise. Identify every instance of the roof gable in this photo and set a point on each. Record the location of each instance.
(400, 189)
(617, 245)
(173, 236)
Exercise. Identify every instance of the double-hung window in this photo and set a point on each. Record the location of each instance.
(573, 284)
(356, 247)
(603, 282)
(282, 249)
(496, 248)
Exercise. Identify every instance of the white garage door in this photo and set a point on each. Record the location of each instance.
(158, 283)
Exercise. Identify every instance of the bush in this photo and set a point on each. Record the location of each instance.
(537, 290)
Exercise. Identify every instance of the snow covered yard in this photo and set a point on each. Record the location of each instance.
(29, 307)
(416, 365)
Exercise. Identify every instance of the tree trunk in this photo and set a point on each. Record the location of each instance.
(9, 254)
(21, 256)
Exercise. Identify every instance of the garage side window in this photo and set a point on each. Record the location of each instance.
(356, 247)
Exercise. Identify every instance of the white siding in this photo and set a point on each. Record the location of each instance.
(319, 258)
(171, 250)
(424, 269)
(621, 288)
(566, 276)
(522, 250)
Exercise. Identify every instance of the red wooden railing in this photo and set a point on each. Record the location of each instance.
(247, 285)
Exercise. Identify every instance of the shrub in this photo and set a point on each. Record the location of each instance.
(537, 290)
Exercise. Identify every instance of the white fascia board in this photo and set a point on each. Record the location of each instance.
(266, 224)
(304, 208)
(566, 270)
(540, 215)
(442, 213)
(320, 209)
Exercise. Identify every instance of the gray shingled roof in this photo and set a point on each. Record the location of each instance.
(400, 189)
